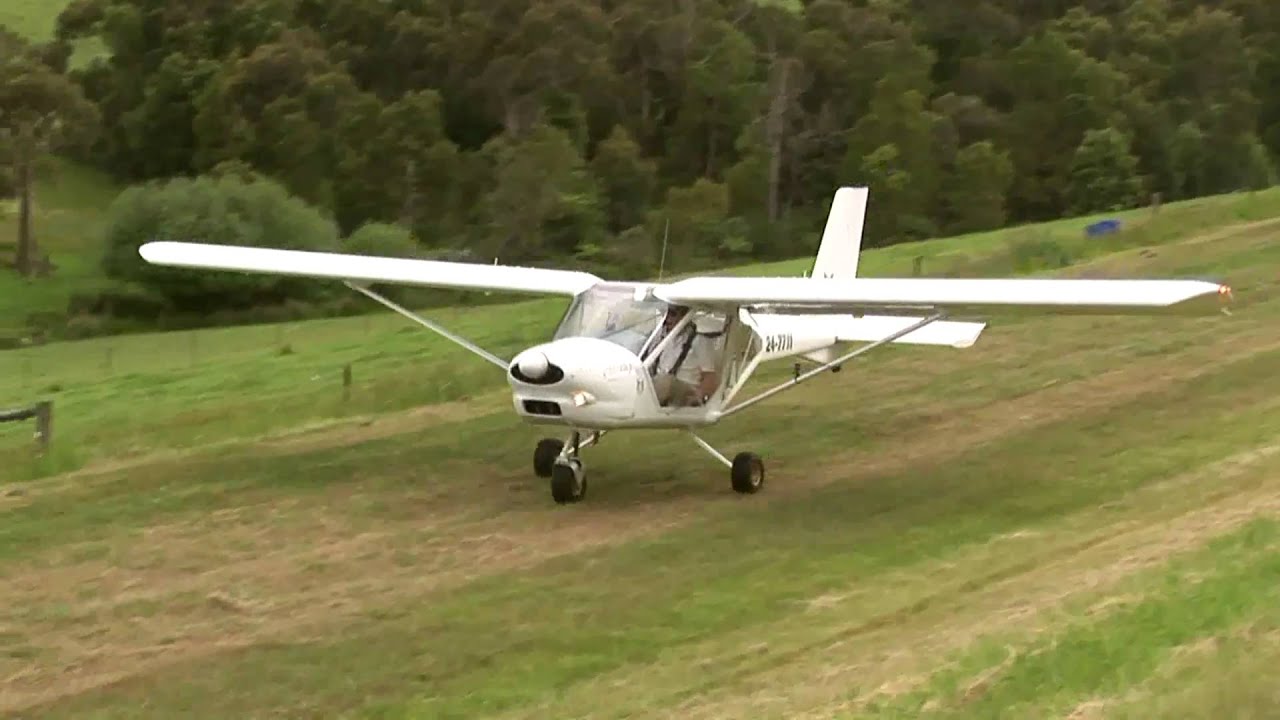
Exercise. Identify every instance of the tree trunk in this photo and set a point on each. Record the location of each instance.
(409, 207)
(776, 130)
(26, 259)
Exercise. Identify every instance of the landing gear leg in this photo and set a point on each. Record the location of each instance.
(746, 470)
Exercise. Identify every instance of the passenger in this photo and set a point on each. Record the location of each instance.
(685, 374)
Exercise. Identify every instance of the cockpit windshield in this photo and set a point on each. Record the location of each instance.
(612, 313)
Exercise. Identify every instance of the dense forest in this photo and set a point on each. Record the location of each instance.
(588, 130)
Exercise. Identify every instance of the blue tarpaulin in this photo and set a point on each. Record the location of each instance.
(1102, 227)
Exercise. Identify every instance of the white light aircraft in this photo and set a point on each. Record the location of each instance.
(610, 363)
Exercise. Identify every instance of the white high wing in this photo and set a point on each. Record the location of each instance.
(601, 369)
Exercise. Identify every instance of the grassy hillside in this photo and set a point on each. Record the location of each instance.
(1077, 515)
(37, 20)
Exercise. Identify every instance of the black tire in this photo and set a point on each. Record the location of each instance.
(747, 474)
(545, 456)
(568, 483)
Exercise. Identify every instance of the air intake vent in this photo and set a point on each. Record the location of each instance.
(554, 375)
(542, 407)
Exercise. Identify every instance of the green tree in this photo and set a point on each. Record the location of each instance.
(974, 193)
(695, 221)
(396, 163)
(1187, 161)
(226, 210)
(543, 201)
(626, 178)
(426, 112)
(41, 112)
(1057, 94)
(894, 149)
(382, 240)
(892, 211)
(1104, 173)
(716, 103)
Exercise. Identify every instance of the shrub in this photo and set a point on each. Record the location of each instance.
(229, 210)
(382, 239)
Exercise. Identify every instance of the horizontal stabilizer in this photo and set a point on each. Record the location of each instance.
(367, 269)
(869, 328)
(1003, 295)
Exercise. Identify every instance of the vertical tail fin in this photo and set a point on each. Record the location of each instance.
(842, 237)
(841, 243)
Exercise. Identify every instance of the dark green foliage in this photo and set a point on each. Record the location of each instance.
(382, 239)
(571, 132)
(974, 193)
(1104, 173)
(226, 210)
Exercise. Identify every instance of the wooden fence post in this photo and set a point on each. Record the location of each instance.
(346, 382)
(44, 424)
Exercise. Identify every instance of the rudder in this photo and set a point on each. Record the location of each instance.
(842, 237)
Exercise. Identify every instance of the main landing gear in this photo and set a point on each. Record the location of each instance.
(746, 470)
(560, 462)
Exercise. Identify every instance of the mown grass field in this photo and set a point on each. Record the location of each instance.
(1077, 517)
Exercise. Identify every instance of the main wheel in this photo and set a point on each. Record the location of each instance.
(545, 456)
(747, 474)
(568, 482)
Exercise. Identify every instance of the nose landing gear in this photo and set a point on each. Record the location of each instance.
(560, 462)
(568, 481)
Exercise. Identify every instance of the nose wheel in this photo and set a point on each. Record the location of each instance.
(560, 462)
(568, 481)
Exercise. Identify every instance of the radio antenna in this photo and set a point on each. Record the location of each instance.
(662, 264)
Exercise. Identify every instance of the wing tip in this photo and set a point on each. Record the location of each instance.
(153, 250)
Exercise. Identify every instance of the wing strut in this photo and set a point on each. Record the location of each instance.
(838, 361)
(430, 325)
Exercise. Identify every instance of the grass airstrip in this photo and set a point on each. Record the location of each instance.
(1076, 517)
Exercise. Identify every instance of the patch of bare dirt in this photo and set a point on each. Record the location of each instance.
(383, 426)
(1089, 710)
(1231, 231)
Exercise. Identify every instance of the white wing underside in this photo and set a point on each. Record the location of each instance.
(368, 269)
(857, 296)
(916, 295)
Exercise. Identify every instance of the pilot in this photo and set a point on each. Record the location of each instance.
(685, 373)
